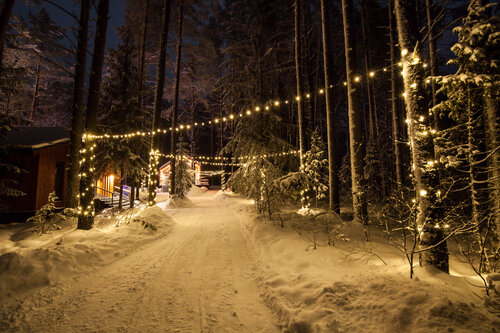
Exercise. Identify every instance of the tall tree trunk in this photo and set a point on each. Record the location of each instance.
(120, 196)
(175, 110)
(492, 143)
(75, 140)
(132, 193)
(298, 75)
(158, 105)
(356, 145)
(4, 25)
(397, 123)
(432, 56)
(143, 56)
(86, 218)
(333, 175)
(425, 174)
(35, 89)
(371, 116)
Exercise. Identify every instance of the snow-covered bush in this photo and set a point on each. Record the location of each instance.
(46, 217)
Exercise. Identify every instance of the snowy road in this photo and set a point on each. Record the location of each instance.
(199, 278)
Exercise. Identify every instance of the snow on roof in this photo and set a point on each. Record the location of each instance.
(35, 137)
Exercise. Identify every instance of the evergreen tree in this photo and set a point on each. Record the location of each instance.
(315, 164)
(122, 112)
(184, 177)
(471, 151)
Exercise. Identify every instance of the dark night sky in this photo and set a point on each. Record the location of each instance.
(116, 15)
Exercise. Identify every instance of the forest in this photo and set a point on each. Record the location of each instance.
(381, 113)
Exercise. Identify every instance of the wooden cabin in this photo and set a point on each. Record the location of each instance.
(42, 153)
(164, 173)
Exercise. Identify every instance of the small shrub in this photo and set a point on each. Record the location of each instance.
(46, 217)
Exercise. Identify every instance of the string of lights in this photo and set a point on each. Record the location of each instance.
(254, 110)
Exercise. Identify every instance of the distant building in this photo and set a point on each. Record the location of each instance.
(165, 173)
(42, 153)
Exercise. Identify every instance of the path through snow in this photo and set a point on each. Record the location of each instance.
(199, 278)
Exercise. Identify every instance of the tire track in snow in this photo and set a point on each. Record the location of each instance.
(199, 278)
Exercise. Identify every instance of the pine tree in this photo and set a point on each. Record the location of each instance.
(46, 217)
(184, 177)
(356, 144)
(86, 211)
(175, 110)
(76, 132)
(472, 102)
(315, 165)
(158, 103)
(6, 12)
(426, 180)
(331, 127)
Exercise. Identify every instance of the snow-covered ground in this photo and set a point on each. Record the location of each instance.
(213, 266)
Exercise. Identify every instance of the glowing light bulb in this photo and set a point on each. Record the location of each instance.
(372, 74)
(423, 193)
(276, 103)
(297, 98)
(357, 78)
(404, 52)
(321, 91)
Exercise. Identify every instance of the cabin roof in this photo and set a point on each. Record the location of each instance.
(35, 137)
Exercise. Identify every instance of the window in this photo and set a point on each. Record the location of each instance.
(59, 180)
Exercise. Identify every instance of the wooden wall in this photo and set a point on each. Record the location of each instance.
(26, 181)
(38, 180)
(47, 158)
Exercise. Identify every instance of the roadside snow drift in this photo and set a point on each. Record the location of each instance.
(28, 260)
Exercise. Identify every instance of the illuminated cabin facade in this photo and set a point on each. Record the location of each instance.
(164, 172)
(106, 183)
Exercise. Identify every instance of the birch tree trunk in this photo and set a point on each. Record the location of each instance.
(356, 144)
(158, 104)
(298, 75)
(75, 140)
(425, 169)
(176, 98)
(86, 217)
(333, 176)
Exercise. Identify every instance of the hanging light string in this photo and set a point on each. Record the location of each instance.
(254, 110)
(243, 158)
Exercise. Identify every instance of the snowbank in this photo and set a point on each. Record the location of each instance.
(177, 203)
(356, 286)
(221, 195)
(196, 191)
(28, 260)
